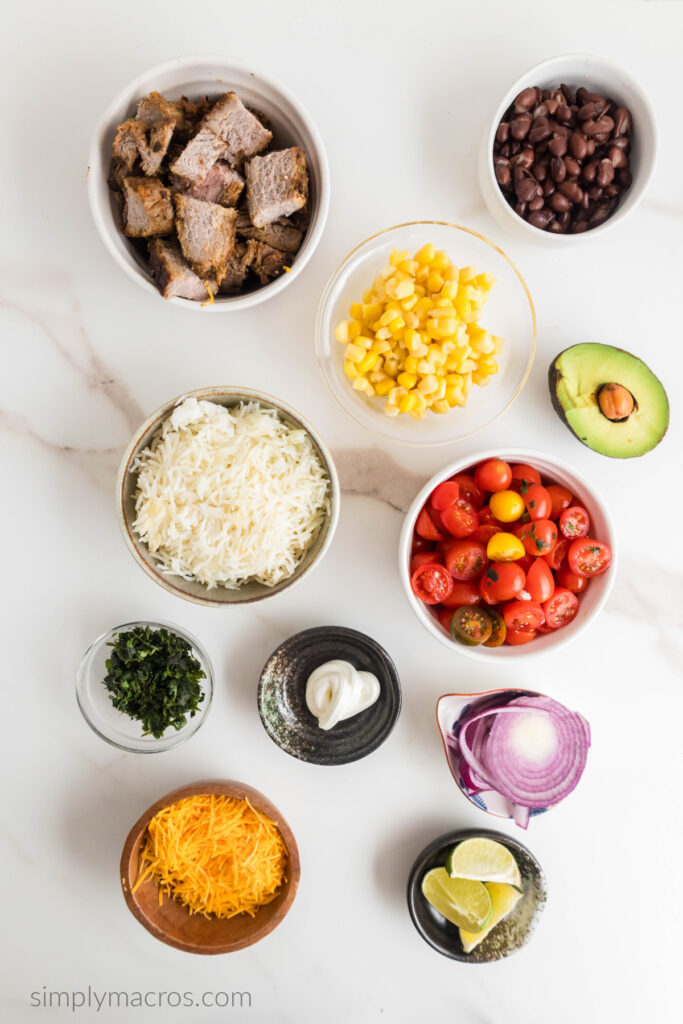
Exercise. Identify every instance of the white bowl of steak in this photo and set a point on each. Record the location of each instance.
(220, 182)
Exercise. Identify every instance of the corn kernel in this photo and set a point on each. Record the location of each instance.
(356, 310)
(411, 364)
(466, 274)
(354, 352)
(361, 384)
(407, 380)
(383, 387)
(441, 406)
(425, 254)
(407, 403)
(368, 362)
(428, 385)
(435, 282)
(341, 331)
(355, 328)
(441, 260)
(350, 369)
(449, 290)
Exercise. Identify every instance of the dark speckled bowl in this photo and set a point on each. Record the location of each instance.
(510, 934)
(282, 696)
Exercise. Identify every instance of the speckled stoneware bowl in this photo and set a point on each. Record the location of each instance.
(449, 710)
(191, 590)
(282, 696)
(511, 934)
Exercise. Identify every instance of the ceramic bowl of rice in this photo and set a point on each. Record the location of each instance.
(227, 496)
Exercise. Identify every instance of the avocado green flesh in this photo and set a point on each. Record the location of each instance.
(580, 372)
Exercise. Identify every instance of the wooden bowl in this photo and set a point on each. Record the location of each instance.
(172, 922)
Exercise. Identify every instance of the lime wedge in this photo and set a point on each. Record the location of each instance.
(462, 902)
(504, 898)
(484, 861)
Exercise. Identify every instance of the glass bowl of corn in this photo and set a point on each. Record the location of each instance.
(426, 333)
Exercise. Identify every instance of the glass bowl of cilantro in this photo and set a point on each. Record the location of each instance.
(145, 686)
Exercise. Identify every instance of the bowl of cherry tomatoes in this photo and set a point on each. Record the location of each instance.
(507, 553)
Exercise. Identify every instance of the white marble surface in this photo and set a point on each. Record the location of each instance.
(399, 92)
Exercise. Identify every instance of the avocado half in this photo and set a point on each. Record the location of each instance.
(610, 399)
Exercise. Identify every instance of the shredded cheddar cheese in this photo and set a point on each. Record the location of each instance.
(217, 855)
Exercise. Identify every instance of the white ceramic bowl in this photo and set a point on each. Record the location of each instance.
(194, 77)
(590, 602)
(596, 74)
(508, 313)
(191, 590)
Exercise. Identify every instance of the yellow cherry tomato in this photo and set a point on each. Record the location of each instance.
(504, 547)
(507, 506)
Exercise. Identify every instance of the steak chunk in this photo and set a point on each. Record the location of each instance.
(206, 233)
(267, 262)
(222, 185)
(147, 208)
(172, 276)
(277, 185)
(280, 234)
(228, 132)
(136, 138)
(238, 265)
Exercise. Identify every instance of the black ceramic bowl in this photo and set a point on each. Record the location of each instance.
(282, 696)
(511, 934)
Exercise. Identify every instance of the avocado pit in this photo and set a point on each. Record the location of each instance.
(616, 402)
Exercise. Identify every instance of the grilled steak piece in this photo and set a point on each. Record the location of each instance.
(277, 185)
(136, 138)
(238, 265)
(222, 185)
(280, 234)
(228, 132)
(206, 233)
(172, 276)
(147, 208)
(267, 262)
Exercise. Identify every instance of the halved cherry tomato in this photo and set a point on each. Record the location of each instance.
(431, 583)
(461, 519)
(485, 531)
(557, 556)
(502, 581)
(493, 475)
(426, 527)
(539, 537)
(540, 582)
(424, 558)
(525, 616)
(504, 547)
(589, 557)
(463, 592)
(574, 522)
(523, 476)
(560, 497)
(515, 637)
(471, 626)
(498, 629)
(444, 495)
(561, 608)
(444, 615)
(566, 578)
(469, 490)
(464, 559)
(538, 502)
(483, 591)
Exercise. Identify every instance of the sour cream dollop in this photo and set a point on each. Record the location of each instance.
(336, 690)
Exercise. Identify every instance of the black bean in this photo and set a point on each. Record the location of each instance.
(541, 130)
(540, 218)
(536, 204)
(526, 99)
(578, 144)
(605, 173)
(503, 132)
(573, 166)
(519, 126)
(558, 202)
(557, 146)
(558, 168)
(617, 157)
(622, 121)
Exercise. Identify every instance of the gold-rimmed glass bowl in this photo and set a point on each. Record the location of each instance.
(508, 313)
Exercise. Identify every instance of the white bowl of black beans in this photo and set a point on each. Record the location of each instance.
(569, 151)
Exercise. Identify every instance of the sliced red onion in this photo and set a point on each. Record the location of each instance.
(527, 747)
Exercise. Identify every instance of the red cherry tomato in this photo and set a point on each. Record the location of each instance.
(431, 583)
(523, 474)
(525, 616)
(493, 475)
(540, 582)
(420, 544)
(558, 554)
(487, 516)
(485, 531)
(561, 608)
(464, 559)
(502, 581)
(444, 495)
(462, 593)
(460, 519)
(560, 497)
(538, 502)
(424, 558)
(469, 490)
(525, 562)
(589, 557)
(426, 527)
(539, 537)
(566, 578)
(574, 522)
(444, 615)
(515, 637)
